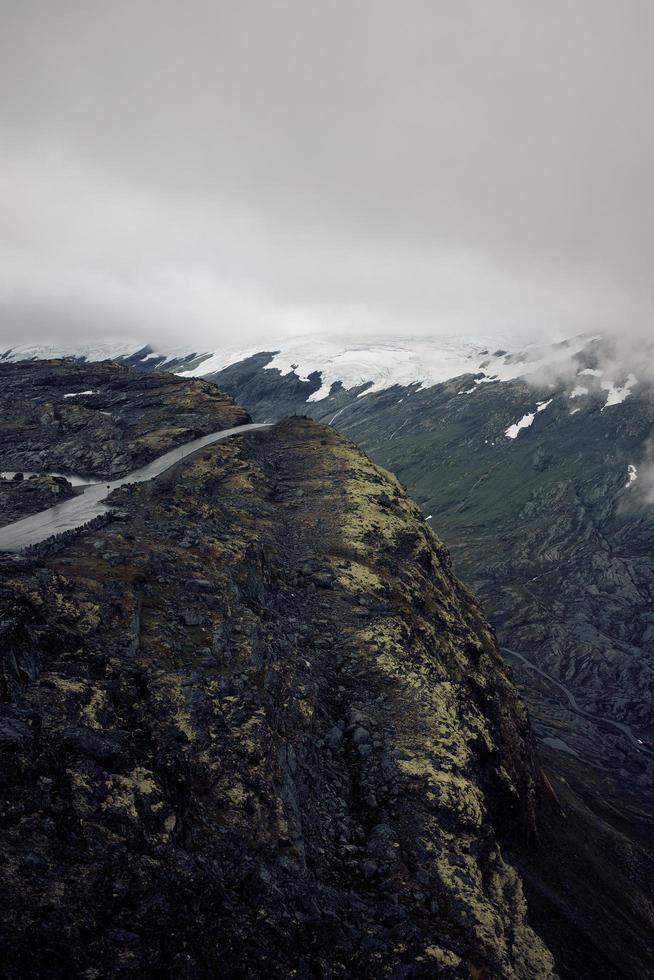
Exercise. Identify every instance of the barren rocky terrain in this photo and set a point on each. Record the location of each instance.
(549, 528)
(257, 727)
(102, 419)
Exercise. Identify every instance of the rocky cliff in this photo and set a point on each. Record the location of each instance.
(257, 728)
(552, 528)
(101, 419)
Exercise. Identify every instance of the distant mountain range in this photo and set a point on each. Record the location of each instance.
(368, 366)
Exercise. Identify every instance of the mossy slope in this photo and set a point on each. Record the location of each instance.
(259, 729)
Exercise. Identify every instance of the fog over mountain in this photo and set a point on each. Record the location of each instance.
(326, 489)
(222, 172)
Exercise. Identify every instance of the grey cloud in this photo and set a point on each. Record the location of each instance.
(227, 170)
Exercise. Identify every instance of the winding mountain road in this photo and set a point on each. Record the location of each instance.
(76, 511)
(572, 701)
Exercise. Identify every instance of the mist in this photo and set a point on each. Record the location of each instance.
(218, 173)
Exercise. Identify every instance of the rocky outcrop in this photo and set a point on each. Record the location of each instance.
(257, 728)
(101, 419)
(543, 527)
(254, 726)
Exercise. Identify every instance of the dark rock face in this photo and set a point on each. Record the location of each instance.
(259, 729)
(274, 396)
(545, 530)
(101, 419)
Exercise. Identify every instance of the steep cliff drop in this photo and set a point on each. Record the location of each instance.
(257, 729)
(254, 727)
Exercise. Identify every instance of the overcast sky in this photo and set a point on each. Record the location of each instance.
(225, 172)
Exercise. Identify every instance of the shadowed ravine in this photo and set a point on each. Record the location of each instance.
(598, 719)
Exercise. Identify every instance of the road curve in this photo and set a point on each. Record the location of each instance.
(76, 511)
(572, 701)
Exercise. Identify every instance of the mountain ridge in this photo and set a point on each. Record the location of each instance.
(116, 664)
(316, 727)
(371, 365)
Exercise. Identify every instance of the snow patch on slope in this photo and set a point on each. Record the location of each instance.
(618, 393)
(525, 421)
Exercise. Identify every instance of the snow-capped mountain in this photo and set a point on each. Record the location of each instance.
(535, 464)
(536, 468)
(376, 365)
(82, 352)
(135, 353)
(383, 363)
